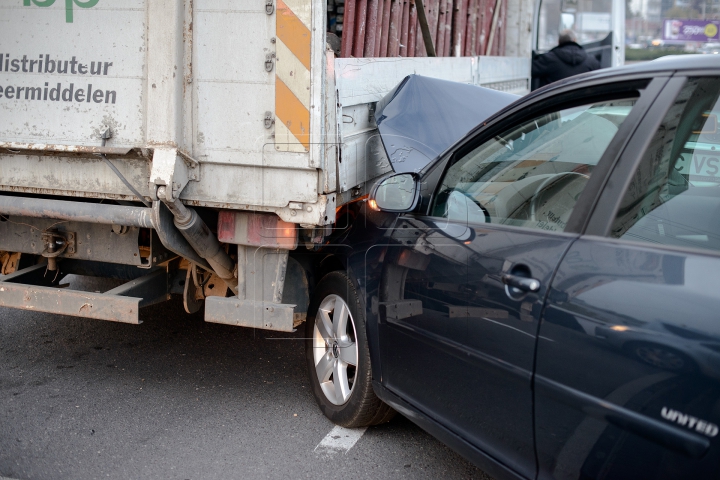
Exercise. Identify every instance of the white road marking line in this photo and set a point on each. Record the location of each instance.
(339, 440)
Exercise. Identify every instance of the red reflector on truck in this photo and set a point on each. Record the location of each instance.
(256, 229)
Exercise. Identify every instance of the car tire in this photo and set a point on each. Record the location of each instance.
(335, 339)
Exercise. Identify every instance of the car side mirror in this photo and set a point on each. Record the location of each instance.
(396, 193)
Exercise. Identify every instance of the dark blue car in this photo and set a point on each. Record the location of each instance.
(541, 293)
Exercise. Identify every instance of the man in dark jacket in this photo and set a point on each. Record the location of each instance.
(565, 60)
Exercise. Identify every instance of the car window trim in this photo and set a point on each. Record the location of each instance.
(618, 180)
(568, 98)
(686, 250)
(699, 72)
(491, 226)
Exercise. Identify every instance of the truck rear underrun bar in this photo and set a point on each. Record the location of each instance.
(77, 211)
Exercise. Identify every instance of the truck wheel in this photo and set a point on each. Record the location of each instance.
(338, 358)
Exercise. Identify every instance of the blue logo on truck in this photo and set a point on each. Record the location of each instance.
(69, 5)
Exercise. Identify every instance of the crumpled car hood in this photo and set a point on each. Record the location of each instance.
(422, 117)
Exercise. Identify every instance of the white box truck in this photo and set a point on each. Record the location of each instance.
(186, 146)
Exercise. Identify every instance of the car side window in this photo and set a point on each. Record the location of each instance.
(674, 196)
(532, 174)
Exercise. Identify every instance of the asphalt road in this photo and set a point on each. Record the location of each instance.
(176, 397)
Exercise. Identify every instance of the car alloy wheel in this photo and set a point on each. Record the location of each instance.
(338, 356)
(335, 349)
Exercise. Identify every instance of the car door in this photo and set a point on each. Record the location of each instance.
(465, 277)
(629, 385)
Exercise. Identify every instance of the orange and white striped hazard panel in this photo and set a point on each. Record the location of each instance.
(292, 75)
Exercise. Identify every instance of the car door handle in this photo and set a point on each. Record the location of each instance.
(521, 283)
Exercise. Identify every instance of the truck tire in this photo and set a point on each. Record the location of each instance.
(338, 357)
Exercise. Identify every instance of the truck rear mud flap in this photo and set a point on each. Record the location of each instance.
(34, 288)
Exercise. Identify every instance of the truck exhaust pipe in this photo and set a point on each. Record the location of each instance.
(201, 239)
(76, 211)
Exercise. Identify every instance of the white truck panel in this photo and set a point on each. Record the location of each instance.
(493, 72)
(229, 118)
(64, 176)
(234, 185)
(112, 32)
(386, 73)
(232, 89)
